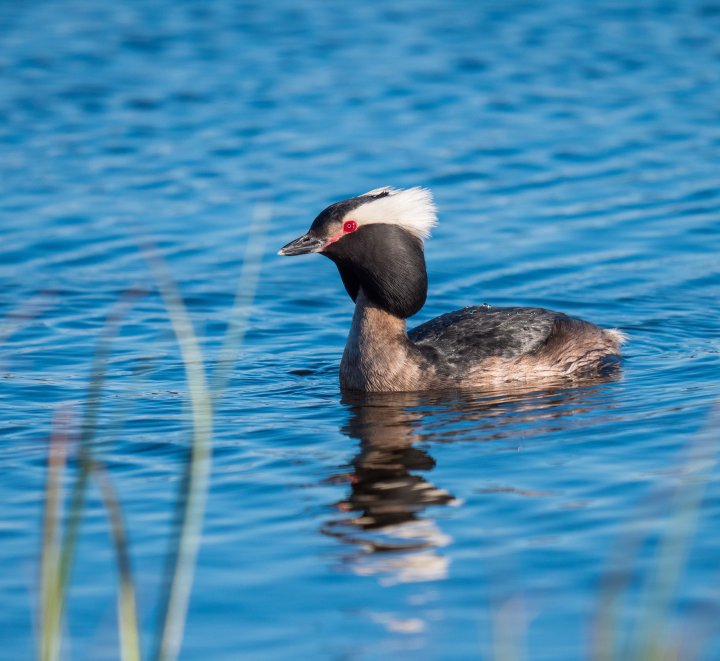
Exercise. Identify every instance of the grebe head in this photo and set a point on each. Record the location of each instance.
(376, 241)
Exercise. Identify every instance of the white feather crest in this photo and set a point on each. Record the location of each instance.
(412, 209)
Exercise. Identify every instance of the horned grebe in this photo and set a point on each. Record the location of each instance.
(376, 241)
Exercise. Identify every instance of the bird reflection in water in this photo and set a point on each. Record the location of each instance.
(388, 495)
(384, 522)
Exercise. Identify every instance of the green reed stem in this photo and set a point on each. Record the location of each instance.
(651, 643)
(57, 559)
(192, 496)
(650, 640)
(127, 608)
(244, 296)
(614, 587)
(508, 631)
(50, 601)
(88, 429)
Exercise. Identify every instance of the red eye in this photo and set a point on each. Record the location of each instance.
(349, 226)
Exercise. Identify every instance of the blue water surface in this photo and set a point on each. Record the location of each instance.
(574, 152)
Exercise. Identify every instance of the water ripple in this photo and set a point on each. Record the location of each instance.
(572, 150)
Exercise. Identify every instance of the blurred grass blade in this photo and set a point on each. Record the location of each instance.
(127, 608)
(87, 433)
(614, 586)
(509, 630)
(192, 496)
(50, 601)
(651, 641)
(244, 296)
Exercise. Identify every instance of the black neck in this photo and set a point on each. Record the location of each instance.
(388, 263)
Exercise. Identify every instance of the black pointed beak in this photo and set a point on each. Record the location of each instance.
(305, 244)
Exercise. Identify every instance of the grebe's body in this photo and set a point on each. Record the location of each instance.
(471, 348)
(376, 241)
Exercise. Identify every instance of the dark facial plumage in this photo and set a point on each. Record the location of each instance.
(385, 259)
(329, 221)
(387, 262)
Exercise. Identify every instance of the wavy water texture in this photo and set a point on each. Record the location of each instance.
(573, 152)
